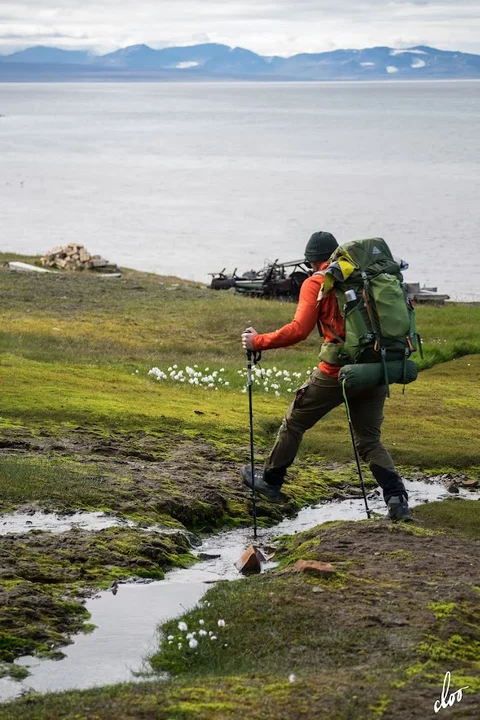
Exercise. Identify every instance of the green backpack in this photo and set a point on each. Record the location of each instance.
(379, 319)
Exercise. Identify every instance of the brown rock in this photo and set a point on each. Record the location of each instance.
(470, 483)
(250, 561)
(314, 566)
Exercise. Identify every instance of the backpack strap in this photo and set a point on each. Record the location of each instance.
(337, 337)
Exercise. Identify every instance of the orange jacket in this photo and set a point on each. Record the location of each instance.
(309, 311)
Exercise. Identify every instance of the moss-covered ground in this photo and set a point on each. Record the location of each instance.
(84, 427)
(372, 641)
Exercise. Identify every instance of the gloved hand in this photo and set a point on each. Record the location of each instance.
(247, 338)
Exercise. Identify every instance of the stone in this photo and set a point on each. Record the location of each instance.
(250, 561)
(75, 257)
(315, 567)
(470, 483)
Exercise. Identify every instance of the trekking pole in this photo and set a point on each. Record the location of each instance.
(359, 468)
(250, 361)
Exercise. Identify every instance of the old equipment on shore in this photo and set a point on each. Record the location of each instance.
(277, 279)
(283, 280)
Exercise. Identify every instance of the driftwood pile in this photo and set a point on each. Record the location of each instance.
(74, 257)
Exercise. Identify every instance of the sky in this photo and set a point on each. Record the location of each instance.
(268, 27)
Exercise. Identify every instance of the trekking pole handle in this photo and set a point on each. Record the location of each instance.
(253, 356)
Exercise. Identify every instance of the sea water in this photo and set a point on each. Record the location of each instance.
(190, 178)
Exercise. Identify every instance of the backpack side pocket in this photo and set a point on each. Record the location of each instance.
(390, 306)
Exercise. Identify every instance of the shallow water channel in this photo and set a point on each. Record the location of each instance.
(126, 622)
(18, 522)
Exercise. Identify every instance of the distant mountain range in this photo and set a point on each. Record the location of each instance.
(213, 61)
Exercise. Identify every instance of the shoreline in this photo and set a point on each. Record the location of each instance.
(5, 255)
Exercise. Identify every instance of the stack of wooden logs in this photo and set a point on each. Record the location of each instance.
(74, 257)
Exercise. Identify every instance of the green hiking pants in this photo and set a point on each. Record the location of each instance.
(312, 402)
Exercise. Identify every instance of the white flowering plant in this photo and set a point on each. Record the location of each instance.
(274, 381)
(185, 643)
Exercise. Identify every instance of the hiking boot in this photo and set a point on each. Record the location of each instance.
(398, 509)
(271, 492)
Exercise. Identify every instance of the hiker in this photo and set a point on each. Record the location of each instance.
(323, 392)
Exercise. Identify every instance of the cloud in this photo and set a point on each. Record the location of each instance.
(270, 27)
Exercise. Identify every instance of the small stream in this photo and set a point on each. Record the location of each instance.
(21, 522)
(126, 622)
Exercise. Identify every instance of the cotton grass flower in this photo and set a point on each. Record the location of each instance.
(182, 626)
(272, 380)
(193, 643)
(221, 623)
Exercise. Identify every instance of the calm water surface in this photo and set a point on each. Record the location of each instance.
(190, 178)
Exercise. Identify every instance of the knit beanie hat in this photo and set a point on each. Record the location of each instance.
(320, 246)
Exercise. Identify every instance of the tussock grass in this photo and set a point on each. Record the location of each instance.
(456, 516)
(33, 479)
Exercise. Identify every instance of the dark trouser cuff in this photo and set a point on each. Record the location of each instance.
(275, 476)
(389, 481)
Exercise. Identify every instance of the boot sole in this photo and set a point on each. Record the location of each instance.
(276, 499)
(405, 518)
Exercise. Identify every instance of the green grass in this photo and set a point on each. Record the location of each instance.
(261, 697)
(144, 318)
(261, 634)
(456, 516)
(76, 350)
(32, 479)
(268, 617)
(432, 425)
(83, 425)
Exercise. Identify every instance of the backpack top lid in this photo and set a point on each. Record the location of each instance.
(348, 262)
(371, 255)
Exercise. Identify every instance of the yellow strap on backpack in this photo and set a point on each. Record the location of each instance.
(338, 271)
